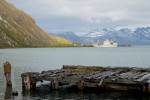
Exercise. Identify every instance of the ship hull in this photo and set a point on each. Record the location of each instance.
(95, 45)
(106, 43)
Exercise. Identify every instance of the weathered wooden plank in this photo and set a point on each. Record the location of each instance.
(144, 78)
(114, 78)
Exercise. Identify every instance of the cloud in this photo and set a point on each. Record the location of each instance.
(116, 12)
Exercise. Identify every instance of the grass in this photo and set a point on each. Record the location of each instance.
(83, 68)
(63, 41)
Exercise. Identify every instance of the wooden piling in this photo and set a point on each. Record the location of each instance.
(26, 82)
(54, 85)
(7, 72)
(80, 84)
(146, 88)
(29, 81)
(32, 83)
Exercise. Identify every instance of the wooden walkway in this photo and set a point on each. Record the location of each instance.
(100, 78)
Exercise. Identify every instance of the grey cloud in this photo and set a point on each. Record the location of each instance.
(87, 13)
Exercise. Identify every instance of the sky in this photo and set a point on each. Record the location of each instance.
(82, 16)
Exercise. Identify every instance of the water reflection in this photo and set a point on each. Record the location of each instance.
(26, 95)
(72, 95)
(8, 93)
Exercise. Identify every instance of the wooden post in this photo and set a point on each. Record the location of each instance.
(55, 85)
(26, 83)
(7, 72)
(145, 87)
(80, 84)
(23, 84)
(32, 83)
(101, 81)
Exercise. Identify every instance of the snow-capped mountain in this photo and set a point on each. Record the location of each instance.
(95, 33)
(124, 36)
(98, 33)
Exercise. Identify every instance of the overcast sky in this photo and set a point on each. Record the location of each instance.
(81, 16)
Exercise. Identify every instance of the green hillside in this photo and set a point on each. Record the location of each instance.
(63, 42)
(17, 29)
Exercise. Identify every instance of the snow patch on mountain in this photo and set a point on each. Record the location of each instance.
(96, 34)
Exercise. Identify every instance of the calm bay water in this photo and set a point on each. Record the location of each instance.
(39, 59)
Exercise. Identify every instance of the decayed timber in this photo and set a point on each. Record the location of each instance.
(119, 78)
(10, 89)
(7, 73)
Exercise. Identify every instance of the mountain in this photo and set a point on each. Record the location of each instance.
(17, 29)
(62, 41)
(71, 36)
(124, 36)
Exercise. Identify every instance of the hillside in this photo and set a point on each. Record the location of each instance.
(17, 29)
(71, 36)
(63, 42)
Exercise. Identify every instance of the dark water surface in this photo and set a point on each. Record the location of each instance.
(39, 59)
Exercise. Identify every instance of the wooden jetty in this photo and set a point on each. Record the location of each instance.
(92, 77)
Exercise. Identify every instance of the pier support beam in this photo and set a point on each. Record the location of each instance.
(29, 81)
(55, 85)
(146, 88)
(7, 73)
(80, 84)
(26, 83)
(10, 80)
(32, 83)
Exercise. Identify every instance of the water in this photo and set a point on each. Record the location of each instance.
(39, 59)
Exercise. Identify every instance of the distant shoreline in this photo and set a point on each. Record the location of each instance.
(124, 45)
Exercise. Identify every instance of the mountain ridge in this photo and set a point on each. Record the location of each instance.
(124, 36)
